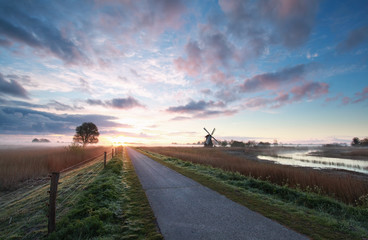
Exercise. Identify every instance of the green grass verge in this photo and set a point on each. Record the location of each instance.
(23, 214)
(113, 206)
(316, 216)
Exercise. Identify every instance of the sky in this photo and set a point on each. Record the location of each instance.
(158, 71)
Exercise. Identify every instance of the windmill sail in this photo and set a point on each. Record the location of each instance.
(209, 137)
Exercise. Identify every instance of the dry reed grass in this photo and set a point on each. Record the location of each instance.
(345, 187)
(18, 165)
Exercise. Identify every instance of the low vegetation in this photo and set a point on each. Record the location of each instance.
(343, 187)
(92, 203)
(24, 210)
(315, 215)
(18, 165)
(113, 206)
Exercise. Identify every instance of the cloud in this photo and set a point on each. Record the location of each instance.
(5, 42)
(288, 22)
(26, 121)
(20, 104)
(345, 100)
(292, 20)
(53, 104)
(119, 103)
(193, 106)
(361, 96)
(23, 80)
(84, 32)
(201, 109)
(212, 52)
(272, 81)
(17, 24)
(153, 17)
(134, 72)
(309, 91)
(61, 106)
(334, 98)
(192, 64)
(84, 85)
(355, 38)
(95, 102)
(312, 55)
(12, 88)
(124, 103)
(206, 91)
(180, 118)
(243, 31)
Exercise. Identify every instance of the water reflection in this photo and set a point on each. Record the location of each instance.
(302, 159)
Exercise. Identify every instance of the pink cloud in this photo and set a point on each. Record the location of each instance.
(191, 65)
(210, 53)
(153, 17)
(333, 99)
(310, 90)
(274, 80)
(345, 100)
(361, 96)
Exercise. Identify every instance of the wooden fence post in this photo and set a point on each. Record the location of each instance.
(104, 159)
(112, 152)
(52, 204)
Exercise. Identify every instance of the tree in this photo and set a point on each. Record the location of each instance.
(250, 143)
(234, 143)
(224, 143)
(355, 142)
(86, 133)
(264, 144)
(364, 142)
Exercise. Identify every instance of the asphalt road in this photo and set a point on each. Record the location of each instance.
(187, 210)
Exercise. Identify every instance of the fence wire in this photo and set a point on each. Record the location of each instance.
(30, 208)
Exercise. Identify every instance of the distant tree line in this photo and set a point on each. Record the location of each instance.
(234, 143)
(41, 140)
(357, 142)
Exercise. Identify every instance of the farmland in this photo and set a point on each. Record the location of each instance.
(309, 211)
(19, 165)
(92, 201)
(348, 188)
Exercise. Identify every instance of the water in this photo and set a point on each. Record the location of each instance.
(301, 159)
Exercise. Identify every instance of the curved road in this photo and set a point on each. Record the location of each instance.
(187, 210)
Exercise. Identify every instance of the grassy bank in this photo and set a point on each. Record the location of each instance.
(18, 165)
(24, 210)
(346, 188)
(113, 206)
(315, 215)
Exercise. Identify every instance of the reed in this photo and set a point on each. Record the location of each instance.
(342, 186)
(18, 165)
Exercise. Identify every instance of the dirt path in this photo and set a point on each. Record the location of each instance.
(187, 210)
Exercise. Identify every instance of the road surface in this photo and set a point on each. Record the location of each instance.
(184, 209)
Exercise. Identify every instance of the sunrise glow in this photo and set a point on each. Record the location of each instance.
(157, 72)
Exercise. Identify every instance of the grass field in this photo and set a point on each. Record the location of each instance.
(346, 188)
(24, 209)
(92, 202)
(19, 165)
(315, 215)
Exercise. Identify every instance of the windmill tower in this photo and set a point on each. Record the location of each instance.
(209, 136)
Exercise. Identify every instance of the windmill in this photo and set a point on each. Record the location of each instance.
(208, 142)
